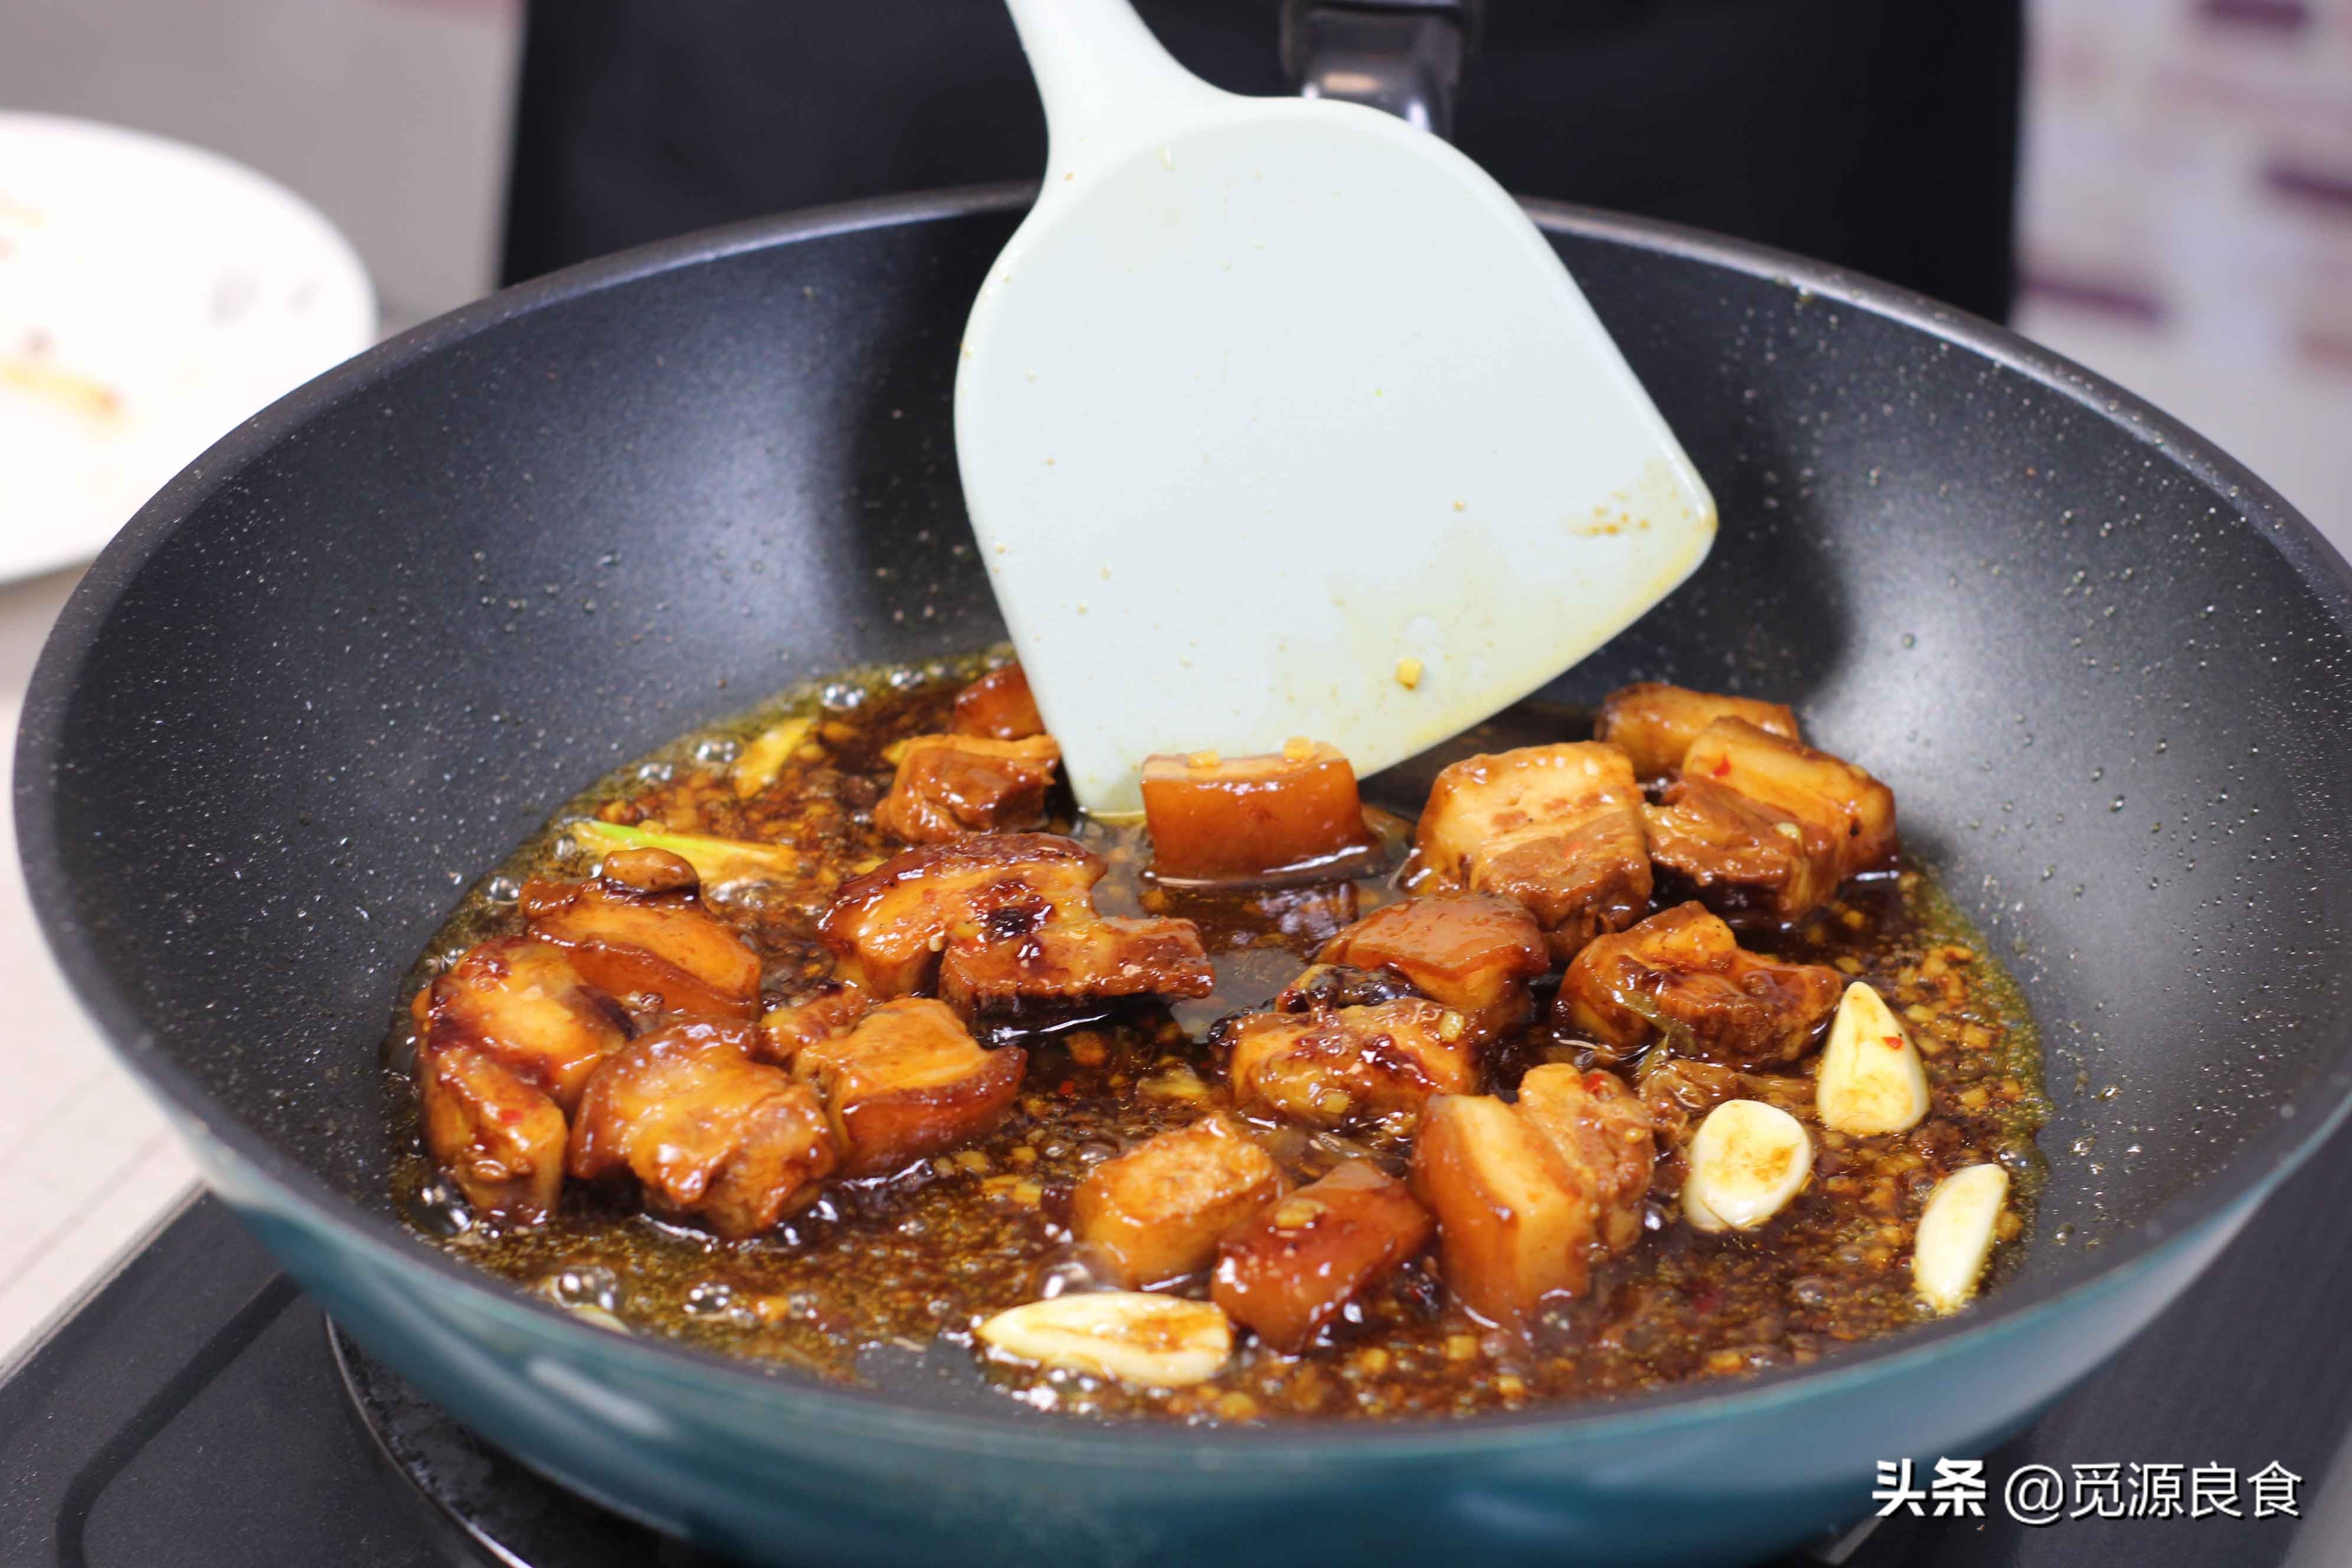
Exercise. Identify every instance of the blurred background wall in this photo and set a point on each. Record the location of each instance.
(2186, 195)
(2186, 220)
(389, 115)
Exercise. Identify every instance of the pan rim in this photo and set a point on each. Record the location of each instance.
(2233, 1190)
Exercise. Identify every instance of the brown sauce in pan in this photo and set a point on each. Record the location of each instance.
(919, 1259)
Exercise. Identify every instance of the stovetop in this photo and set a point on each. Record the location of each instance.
(200, 1412)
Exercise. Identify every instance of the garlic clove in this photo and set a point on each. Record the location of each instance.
(1871, 1078)
(1747, 1161)
(1158, 1341)
(1956, 1235)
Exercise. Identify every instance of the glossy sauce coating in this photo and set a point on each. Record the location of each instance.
(915, 1262)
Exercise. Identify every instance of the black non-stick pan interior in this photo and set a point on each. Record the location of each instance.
(410, 611)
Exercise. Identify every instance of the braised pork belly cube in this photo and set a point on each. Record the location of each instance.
(710, 1133)
(500, 1138)
(999, 705)
(889, 926)
(1759, 823)
(523, 1003)
(949, 785)
(1238, 819)
(1528, 1195)
(647, 868)
(1153, 1215)
(909, 1081)
(1679, 1091)
(1825, 794)
(1287, 1274)
(1602, 1130)
(791, 1027)
(640, 933)
(1473, 951)
(1654, 723)
(1682, 977)
(1556, 829)
(1351, 1066)
(1004, 922)
(1514, 1224)
(1744, 858)
(1329, 986)
(1002, 968)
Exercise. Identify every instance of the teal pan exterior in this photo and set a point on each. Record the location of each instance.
(338, 667)
(716, 1459)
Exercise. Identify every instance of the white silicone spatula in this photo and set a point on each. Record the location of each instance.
(1278, 418)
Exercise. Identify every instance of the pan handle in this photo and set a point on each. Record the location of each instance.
(1402, 56)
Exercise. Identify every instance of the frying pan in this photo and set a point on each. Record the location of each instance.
(338, 667)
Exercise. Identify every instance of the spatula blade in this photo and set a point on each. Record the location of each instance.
(1292, 423)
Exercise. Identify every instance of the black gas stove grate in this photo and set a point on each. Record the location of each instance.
(484, 1506)
(199, 1412)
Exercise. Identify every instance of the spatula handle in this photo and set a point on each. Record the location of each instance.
(1101, 72)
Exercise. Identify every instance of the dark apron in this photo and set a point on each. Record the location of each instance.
(1878, 135)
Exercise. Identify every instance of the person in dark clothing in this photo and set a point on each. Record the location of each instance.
(1880, 136)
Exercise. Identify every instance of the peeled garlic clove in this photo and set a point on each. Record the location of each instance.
(1747, 1161)
(1956, 1231)
(1871, 1078)
(1159, 1341)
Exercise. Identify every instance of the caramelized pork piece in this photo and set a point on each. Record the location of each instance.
(1332, 986)
(909, 1081)
(1601, 1130)
(1513, 1225)
(707, 1131)
(1528, 1195)
(522, 1003)
(1557, 829)
(1761, 824)
(1825, 794)
(1002, 968)
(999, 706)
(639, 931)
(1682, 977)
(1154, 1214)
(1679, 1091)
(500, 1138)
(647, 868)
(1740, 855)
(948, 786)
(1239, 819)
(1351, 1066)
(1286, 1274)
(890, 925)
(1654, 723)
(1004, 922)
(800, 1023)
(1473, 951)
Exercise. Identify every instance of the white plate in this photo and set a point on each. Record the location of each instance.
(153, 295)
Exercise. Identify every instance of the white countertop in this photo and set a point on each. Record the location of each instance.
(88, 1162)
